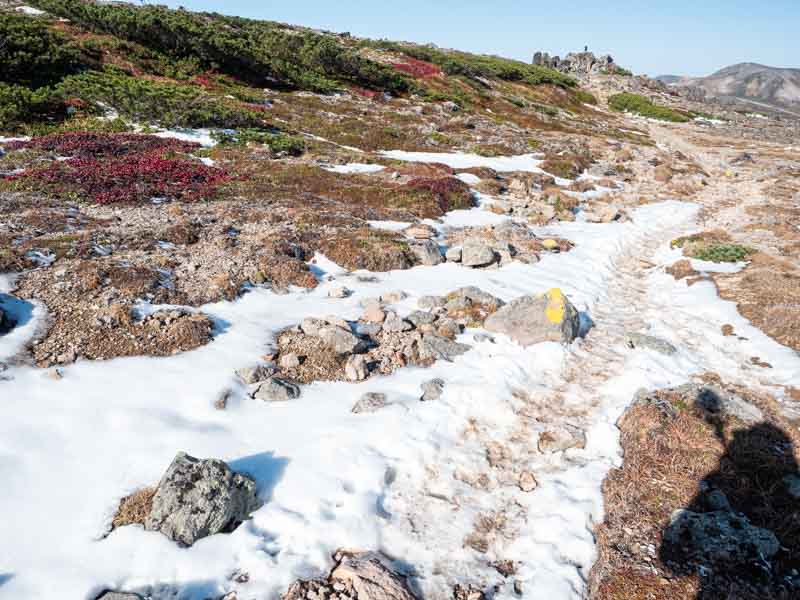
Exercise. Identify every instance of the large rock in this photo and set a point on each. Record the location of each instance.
(549, 317)
(370, 402)
(476, 252)
(340, 341)
(435, 347)
(197, 498)
(720, 537)
(277, 389)
(427, 252)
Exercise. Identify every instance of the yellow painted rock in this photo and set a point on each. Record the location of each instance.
(549, 244)
(548, 317)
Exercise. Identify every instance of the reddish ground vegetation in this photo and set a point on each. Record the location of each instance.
(450, 193)
(109, 168)
(418, 68)
(97, 145)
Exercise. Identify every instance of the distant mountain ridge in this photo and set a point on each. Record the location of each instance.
(748, 81)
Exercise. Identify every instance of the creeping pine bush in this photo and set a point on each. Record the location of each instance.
(723, 253)
(121, 168)
(634, 103)
(279, 143)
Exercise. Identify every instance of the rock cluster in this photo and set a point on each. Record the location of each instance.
(379, 342)
(577, 63)
(482, 247)
(197, 498)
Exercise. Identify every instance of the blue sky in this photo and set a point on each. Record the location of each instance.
(653, 37)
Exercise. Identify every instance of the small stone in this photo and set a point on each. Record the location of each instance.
(370, 402)
(483, 337)
(356, 368)
(221, 401)
(435, 347)
(114, 595)
(421, 317)
(257, 374)
(453, 254)
(432, 390)
(392, 297)
(527, 482)
(339, 292)
(373, 313)
(518, 587)
(431, 302)
(55, 374)
(340, 341)
(289, 361)
(559, 440)
(639, 340)
(394, 324)
(277, 389)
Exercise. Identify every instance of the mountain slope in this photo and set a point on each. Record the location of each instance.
(753, 81)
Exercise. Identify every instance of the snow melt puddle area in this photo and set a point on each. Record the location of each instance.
(25, 318)
(71, 449)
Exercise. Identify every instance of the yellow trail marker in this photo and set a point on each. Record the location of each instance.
(556, 306)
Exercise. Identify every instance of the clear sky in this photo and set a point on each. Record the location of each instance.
(655, 37)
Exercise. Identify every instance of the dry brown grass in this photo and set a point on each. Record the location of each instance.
(133, 509)
(670, 446)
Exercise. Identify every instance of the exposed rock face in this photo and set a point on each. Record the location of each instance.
(197, 498)
(533, 319)
(577, 63)
(720, 537)
(356, 576)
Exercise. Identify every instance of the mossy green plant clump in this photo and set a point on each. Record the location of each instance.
(723, 253)
(639, 105)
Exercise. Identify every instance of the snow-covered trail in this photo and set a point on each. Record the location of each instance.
(412, 479)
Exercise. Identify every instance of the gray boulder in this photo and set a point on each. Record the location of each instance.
(476, 252)
(356, 368)
(197, 498)
(639, 340)
(251, 375)
(476, 295)
(370, 402)
(432, 390)
(719, 537)
(112, 595)
(431, 302)
(436, 347)
(339, 340)
(716, 400)
(277, 389)
(427, 252)
(549, 317)
(453, 254)
(395, 324)
(421, 317)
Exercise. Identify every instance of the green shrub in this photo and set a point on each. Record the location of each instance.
(20, 105)
(723, 253)
(279, 143)
(476, 66)
(31, 55)
(260, 52)
(585, 97)
(167, 104)
(634, 103)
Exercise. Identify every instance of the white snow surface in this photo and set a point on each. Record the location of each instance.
(29, 10)
(199, 136)
(71, 449)
(354, 168)
(461, 160)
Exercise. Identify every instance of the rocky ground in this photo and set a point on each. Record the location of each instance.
(703, 503)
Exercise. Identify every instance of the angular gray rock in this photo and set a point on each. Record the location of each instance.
(476, 252)
(640, 340)
(719, 537)
(356, 368)
(436, 347)
(421, 317)
(432, 390)
(276, 389)
(395, 324)
(112, 595)
(370, 402)
(476, 295)
(197, 498)
(339, 340)
(427, 252)
(527, 320)
(251, 375)
(431, 302)
(717, 400)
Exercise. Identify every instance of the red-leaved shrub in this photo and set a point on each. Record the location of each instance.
(450, 193)
(418, 68)
(111, 168)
